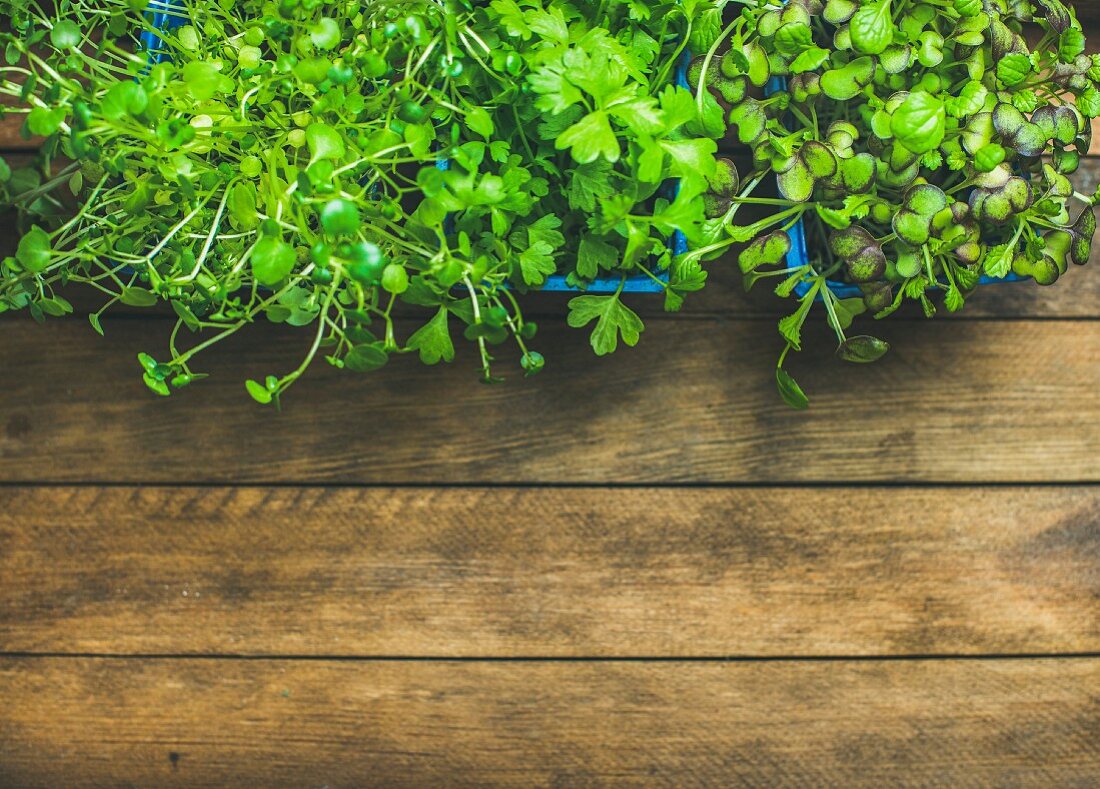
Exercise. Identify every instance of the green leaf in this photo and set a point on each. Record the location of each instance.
(65, 34)
(204, 80)
(1013, 68)
(790, 391)
(241, 206)
(147, 362)
(549, 24)
(324, 142)
(340, 217)
(847, 309)
(433, 340)
(325, 34)
(272, 260)
(920, 122)
(595, 255)
(1089, 102)
(156, 385)
(792, 38)
(556, 93)
(810, 60)
(537, 258)
(590, 182)
(480, 122)
(1070, 44)
(971, 100)
(258, 391)
(137, 297)
(365, 358)
(845, 83)
(537, 263)
(767, 250)
(651, 163)
(184, 313)
(33, 252)
(124, 99)
(590, 138)
(44, 122)
(613, 318)
(953, 299)
(871, 28)
(692, 158)
(998, 261)
(862, 349)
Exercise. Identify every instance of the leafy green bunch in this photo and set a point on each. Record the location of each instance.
(338, 165)
(923, 145)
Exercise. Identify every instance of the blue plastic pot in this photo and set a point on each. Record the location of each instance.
(799, 255)
(167, 15)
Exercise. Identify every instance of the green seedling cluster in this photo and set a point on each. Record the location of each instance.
(923, 145)
(338, 165)
(283, 165)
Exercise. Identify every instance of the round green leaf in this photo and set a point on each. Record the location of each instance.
(65, 34)
(34, 250)
(204, 80)
(395, 279)
(123, 99)
(272, 260)
(324, 142)
(326, 33)
(340, 217)
(365, 358)
(44, 122)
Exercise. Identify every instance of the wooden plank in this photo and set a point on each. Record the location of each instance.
(10, 125)
(90, 722)
(549, 572)
(1000, 401)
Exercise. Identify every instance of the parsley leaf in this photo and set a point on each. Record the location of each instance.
(590, 138)
(613, 318)
(433, 340)
(536, 259)
(590, 182)
(595, 254)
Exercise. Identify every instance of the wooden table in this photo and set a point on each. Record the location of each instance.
(636, 569)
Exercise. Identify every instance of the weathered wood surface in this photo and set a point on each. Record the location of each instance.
(629, 594)
(92, 722)
(498, 572)
(1001, 401)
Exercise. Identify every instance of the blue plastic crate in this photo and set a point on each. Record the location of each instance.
(799, 255)
(166, 15)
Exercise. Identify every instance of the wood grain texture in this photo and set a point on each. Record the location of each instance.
(11, 122)
(93, 722)
(549, 572)
(695, 402)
